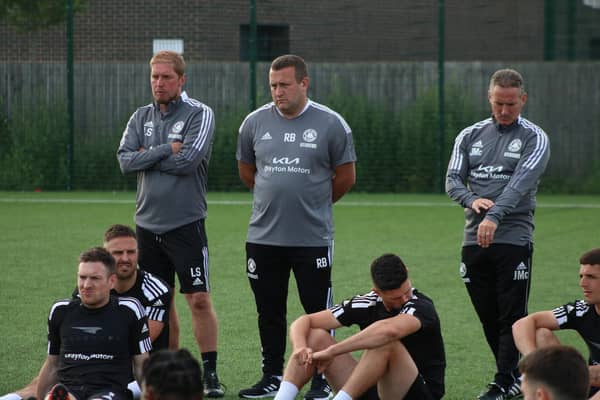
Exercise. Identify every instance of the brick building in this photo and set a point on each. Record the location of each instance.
(332, 31)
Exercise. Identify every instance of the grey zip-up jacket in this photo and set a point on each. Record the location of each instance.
(171, 188)
(503, 164)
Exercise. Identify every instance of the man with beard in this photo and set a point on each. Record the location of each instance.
(154, 294)
(168, 144)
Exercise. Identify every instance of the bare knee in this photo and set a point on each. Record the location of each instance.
(199, 302)
(319, 339)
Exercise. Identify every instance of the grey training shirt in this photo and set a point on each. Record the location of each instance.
(295, 161)
(171, 188)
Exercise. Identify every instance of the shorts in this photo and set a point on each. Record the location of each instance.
(86, 393)
(417, 391)
(183, 250)
(111, 395)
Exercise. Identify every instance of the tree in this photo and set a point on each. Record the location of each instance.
(31, 15)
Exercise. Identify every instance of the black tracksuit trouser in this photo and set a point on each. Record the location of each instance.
(498, 279)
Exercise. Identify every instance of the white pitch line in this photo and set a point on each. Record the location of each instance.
(433, 204)
(349, 203)
(105, 201)
(68, 201)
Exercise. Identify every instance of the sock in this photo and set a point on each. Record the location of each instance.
(209, 361)
(135, 389)
(287, 391)
(341, 395)
(11, 396)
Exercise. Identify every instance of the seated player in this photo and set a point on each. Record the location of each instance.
(97, 342)
(535, 330)
(152, 292)
(403, 355)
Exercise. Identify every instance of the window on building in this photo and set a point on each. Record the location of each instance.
(167, 44)
(595, 49)
(272, 41)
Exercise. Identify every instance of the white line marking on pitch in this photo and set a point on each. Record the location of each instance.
(348, 203)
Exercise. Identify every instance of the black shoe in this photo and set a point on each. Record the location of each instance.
(58, 392)
(266, 387)
(514, 391)
(212, 387)
(493, 392)
(319, 389)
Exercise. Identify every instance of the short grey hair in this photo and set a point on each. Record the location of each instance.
(507, 78)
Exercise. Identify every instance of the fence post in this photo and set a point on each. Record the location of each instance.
(70, 109)
(549, 30)
(253, 55)
(441, 94)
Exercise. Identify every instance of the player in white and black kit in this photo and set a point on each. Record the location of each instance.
(403, 355)
(152, 292)
(494, 173)
(583, 316)
(96, 343)
(298, 158)
(168, 144)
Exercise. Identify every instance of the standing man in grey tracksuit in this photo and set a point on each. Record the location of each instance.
(168, 144)
(493, 173)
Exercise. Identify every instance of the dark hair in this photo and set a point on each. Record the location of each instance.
(507, 78)
(118, 230)
(388, 272)
(291, 60)
(169, 57)
(559, 368)
(173, 375)
(591, 257)
(99, 254)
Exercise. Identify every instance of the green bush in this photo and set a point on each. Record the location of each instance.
(95, 165)
(223, 172)
(34, 148)
(398, 152)
(401, 151)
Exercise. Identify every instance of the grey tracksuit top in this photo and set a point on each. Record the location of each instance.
(171, 188)
(503, 164)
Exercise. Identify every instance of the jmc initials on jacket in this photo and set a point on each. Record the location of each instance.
(503, 164)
